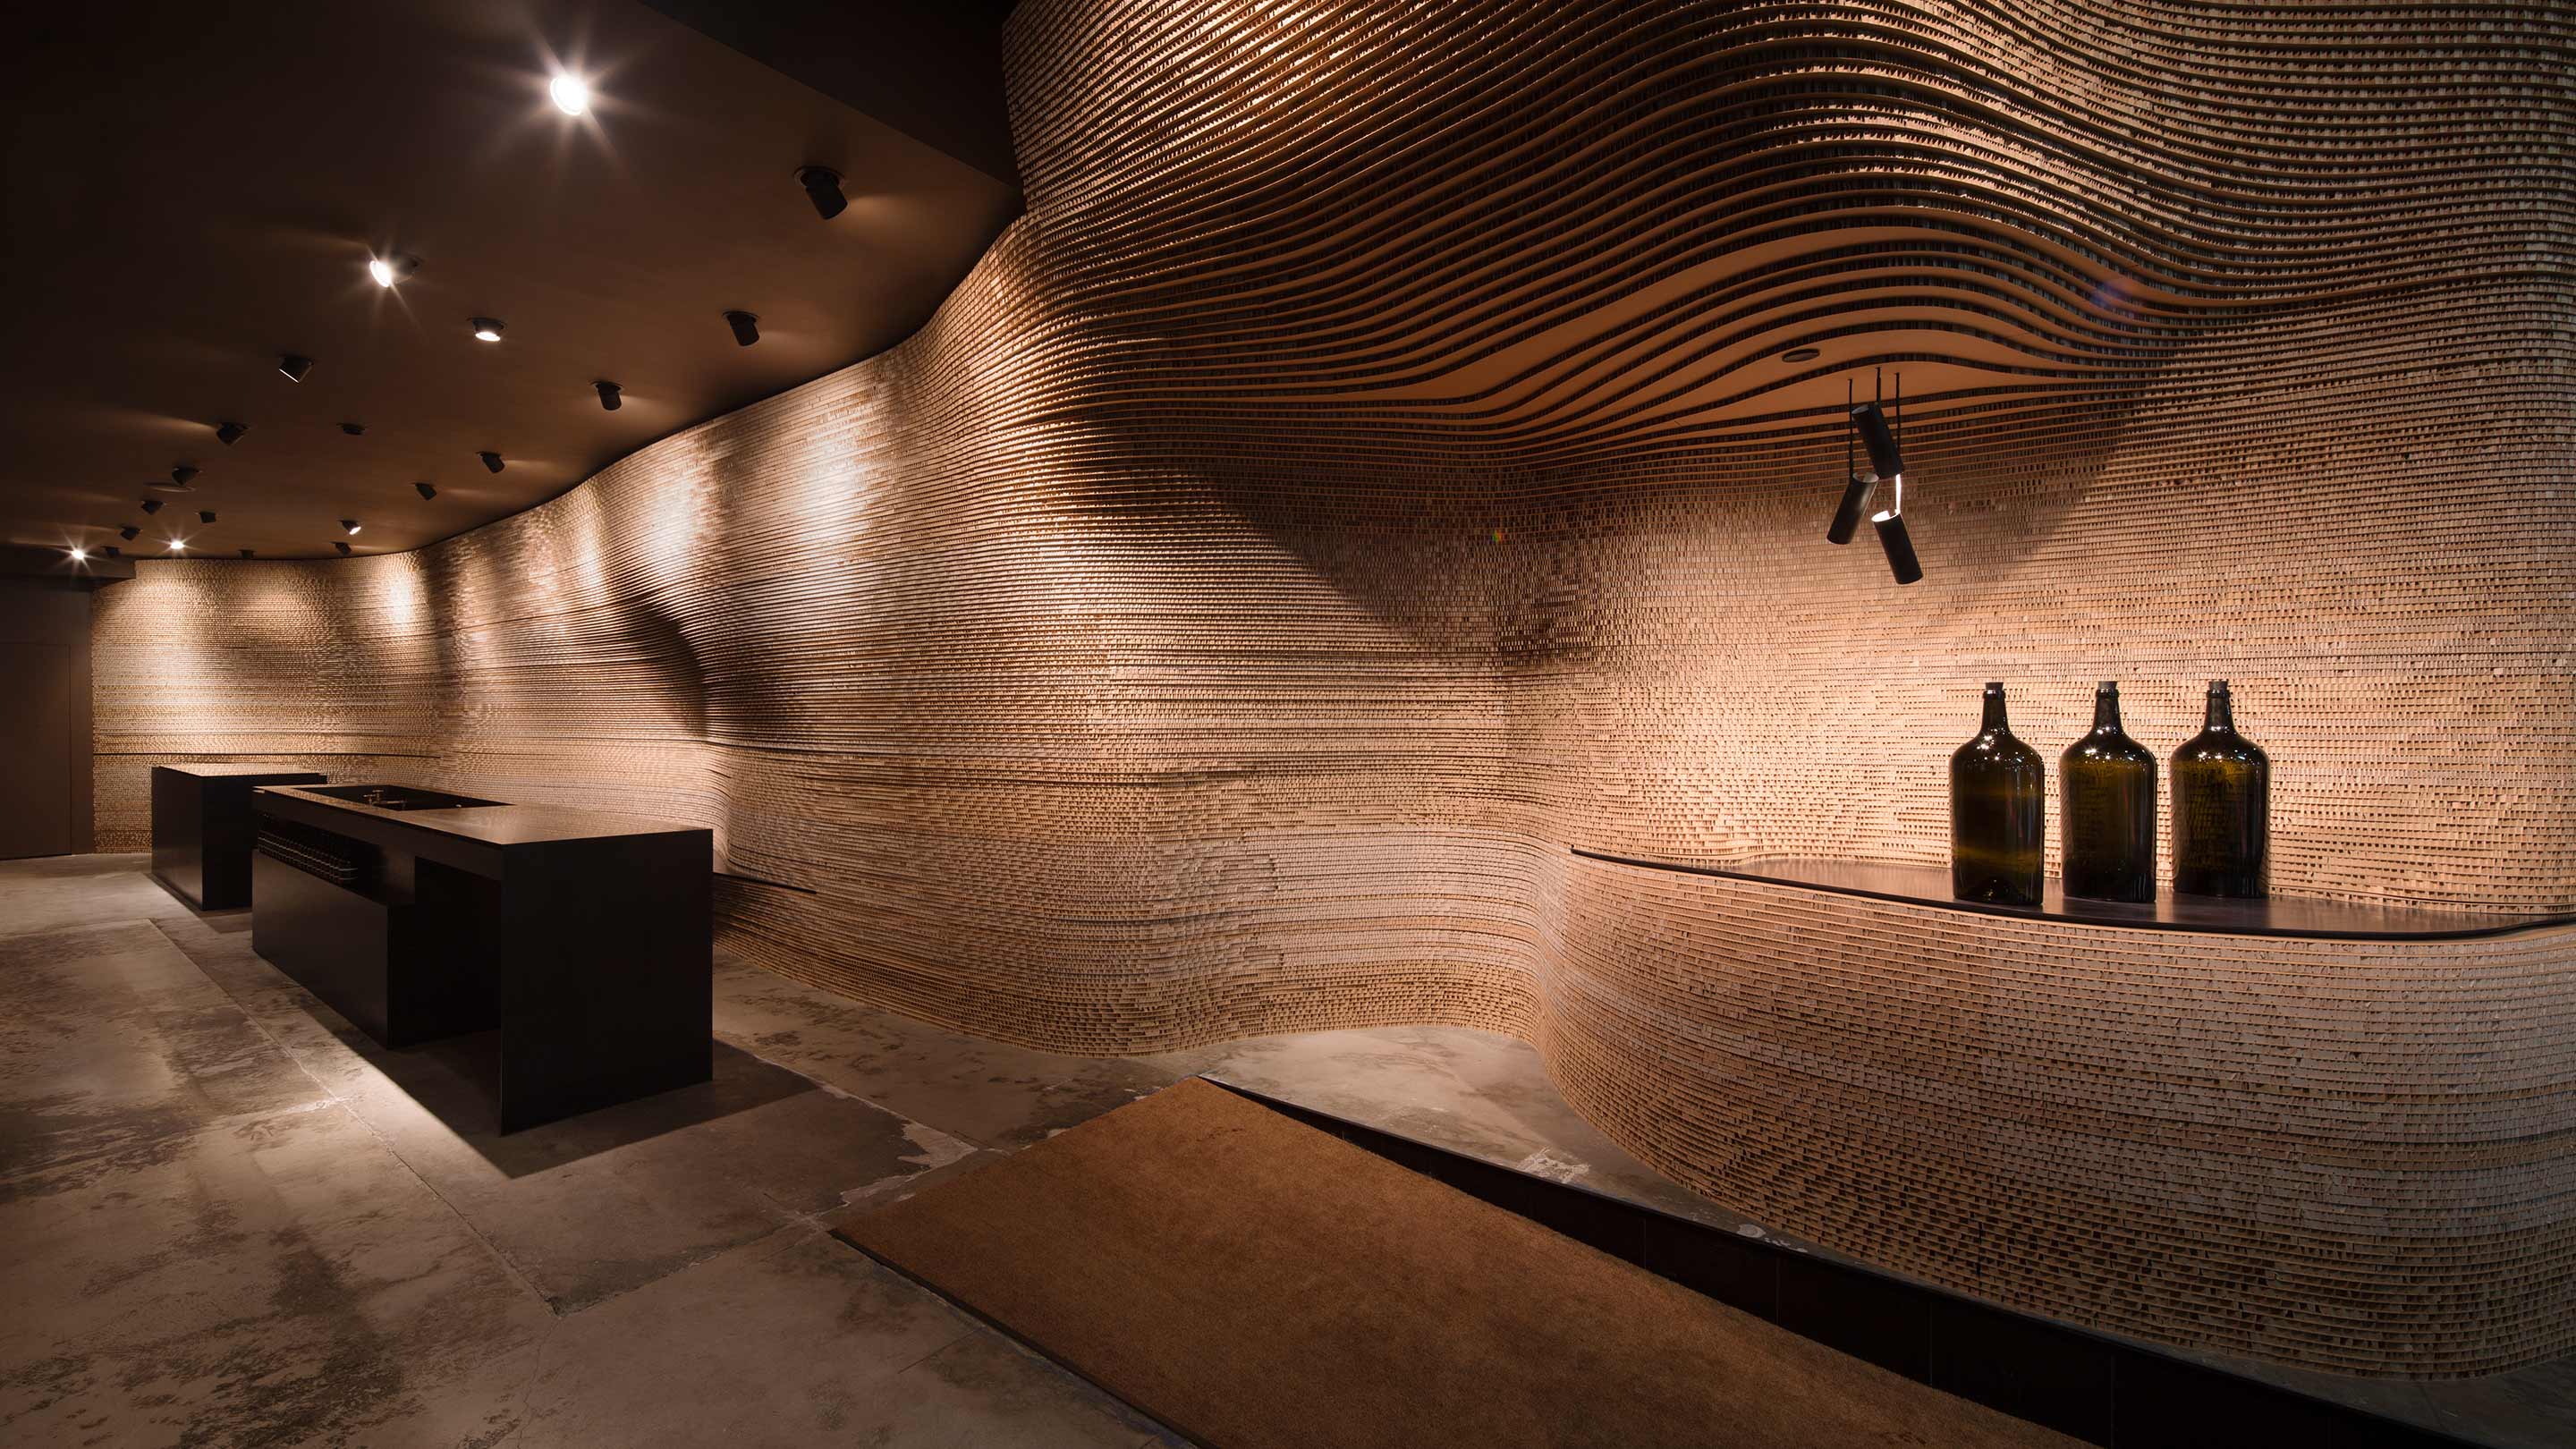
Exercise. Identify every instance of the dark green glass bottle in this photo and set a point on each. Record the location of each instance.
(2106, 812)
(1998, 814)
(2222, 826)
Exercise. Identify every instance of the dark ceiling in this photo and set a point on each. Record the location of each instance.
(193, 190)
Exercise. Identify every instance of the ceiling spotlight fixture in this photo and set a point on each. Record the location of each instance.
(205, 515)
(491, 461)
(823, 188)
(746, 327)
(570, 93)
(250, 553)
(182, 474)
(425, 490)
(113, 551)
(486, 329)
(151, 505)
(342, 547)
(178, 545)
(611, 396)
(230, 433)
(389, 270)
(355, 430)
(79, 554)
(349, 526)
(294, 367)
(128, 532)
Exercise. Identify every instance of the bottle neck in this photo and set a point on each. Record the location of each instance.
(1995, 711)
(2222, 713)
(2106, 711)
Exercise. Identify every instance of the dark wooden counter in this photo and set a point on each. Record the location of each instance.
(203, 826)
(1929, 885)
(586, 938)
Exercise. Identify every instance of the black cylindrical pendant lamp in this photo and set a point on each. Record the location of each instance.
(1847, 516)
(1884, 459)
(1899, 545)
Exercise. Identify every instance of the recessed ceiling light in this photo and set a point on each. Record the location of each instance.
(611, 396)
(823, 188)
(486, 329)
(114, 552)
(178, 545)
(79, 554)
(746, 327)
(491, 461)
(425, 490)
(349, 526)
(389, 270)
(128, 533)
(250, 553)
(205, 515)
(355, 430)
(151, 505)
(230, 433)
(294, 367)
(341, 546)
(570, 93)
(182, 474)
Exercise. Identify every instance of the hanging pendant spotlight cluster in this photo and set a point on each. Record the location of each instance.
(1869, 425)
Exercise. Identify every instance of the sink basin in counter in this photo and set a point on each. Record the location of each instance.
(402, 797)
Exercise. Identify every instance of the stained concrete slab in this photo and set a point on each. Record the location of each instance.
(988, 1093)
(692, 1359)
(227, 1217)
(112, 1045)
(52, 892)
(271, 1279)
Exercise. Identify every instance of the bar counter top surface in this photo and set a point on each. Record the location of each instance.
(1929, 885)
(500, 824)
(229, 770)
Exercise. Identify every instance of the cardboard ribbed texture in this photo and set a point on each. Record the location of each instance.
(1373, 465)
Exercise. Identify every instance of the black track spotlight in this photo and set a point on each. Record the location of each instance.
(151, 505)
(342, 546)
(611, 396)
(129, 533)
(205, 515)
(491, 461)
(355, 430)
(425, 490)
(350, 526)
(746, 327)
(294, 367)
(823, 188)
(230, 433)
(182, 475)
(486, 329)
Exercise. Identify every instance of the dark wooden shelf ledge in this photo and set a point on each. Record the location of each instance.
(1929, 885)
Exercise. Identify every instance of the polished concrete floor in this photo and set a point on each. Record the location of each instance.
(227, 1218)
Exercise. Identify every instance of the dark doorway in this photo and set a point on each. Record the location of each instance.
(44, 718)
